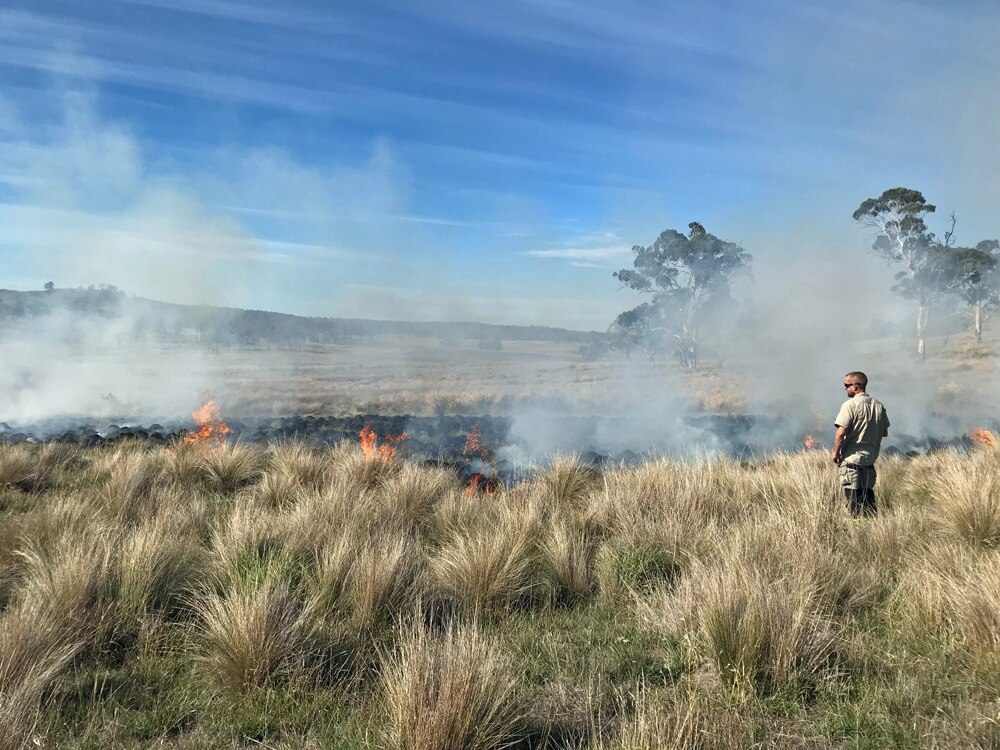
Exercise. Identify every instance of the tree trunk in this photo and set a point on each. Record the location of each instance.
(979, 323)
(923, 313)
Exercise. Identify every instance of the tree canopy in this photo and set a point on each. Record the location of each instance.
(687, 276)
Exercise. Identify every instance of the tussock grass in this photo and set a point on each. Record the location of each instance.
(157, 565)
(127, 482)
(968, 496)
(275, 490)
(56, 615)
(254, 633)
(485, 570)
(366, 473)
(366, 581)
(567, 480)
(454, 691)
(409, 496)
(684, 721)
(35, 650)
(230, 466)
(761, 609)
(568, 553)
(323, 515)
(300, 466)
(181, 464)
(197, 596)
(65, 578)
(243, 539)
(30, 468)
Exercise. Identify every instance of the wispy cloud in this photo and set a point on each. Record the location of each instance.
(582, 253)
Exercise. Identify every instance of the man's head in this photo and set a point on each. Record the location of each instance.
(855, 382)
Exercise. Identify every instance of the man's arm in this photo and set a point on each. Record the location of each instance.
(838, 444)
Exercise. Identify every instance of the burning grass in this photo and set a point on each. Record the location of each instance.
(208, 594)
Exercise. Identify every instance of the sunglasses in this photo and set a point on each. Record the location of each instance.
(848, 385)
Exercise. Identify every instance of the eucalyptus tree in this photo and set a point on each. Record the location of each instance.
(897, 216)
(974, 279)
(688, 277)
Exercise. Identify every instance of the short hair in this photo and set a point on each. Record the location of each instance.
(859, 377)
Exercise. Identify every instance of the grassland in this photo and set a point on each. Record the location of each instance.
(190, 597)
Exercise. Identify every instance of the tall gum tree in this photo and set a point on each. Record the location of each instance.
(897, 216)
(687, 278)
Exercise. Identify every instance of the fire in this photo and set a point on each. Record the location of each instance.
(474, 446)
(373, 451)
(210, 427)
(481, 483)
(984, 437)
(475, 452)
(810, 442)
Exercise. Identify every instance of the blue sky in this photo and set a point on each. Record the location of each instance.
(473, 160)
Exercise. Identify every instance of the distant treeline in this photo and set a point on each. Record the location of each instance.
(145, 319)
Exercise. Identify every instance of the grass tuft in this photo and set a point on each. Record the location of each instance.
(454, 691)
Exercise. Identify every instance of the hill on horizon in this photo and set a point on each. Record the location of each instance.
(172, 323)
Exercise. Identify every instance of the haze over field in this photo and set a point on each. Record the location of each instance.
(464, 162)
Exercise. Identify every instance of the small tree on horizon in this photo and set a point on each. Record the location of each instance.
(49, 286)
(687, 276)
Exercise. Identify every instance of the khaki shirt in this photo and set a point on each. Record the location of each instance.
(866, 423)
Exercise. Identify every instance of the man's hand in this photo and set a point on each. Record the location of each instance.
(838, 445)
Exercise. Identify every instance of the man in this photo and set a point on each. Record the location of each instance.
(861, 425)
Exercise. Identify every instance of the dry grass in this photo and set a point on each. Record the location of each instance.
(230, 466)
(455, 691)
(702, 604)
(254, 633)
(679, 721)
(568, 553)
(968, 496)
(365, 581)
(55, 615)
(408, 497)
(157, 565)
(30, 468)
(35, 650)
(300, 466)
(485, 570)
(566, 481)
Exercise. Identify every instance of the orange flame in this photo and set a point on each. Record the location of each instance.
(474, 446)
(984, 437)
(481, 483)
(474, 449)
(375, 452)
(810, 442)
(210, 427)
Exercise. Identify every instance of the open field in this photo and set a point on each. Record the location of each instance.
(230, 597)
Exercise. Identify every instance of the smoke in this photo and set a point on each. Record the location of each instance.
(67, 363)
